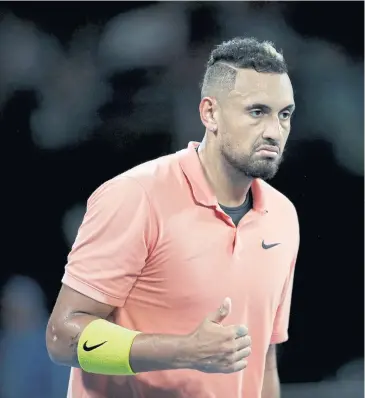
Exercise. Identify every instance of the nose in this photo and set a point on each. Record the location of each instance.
(273, 130)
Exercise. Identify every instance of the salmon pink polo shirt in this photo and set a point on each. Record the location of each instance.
(155, 244)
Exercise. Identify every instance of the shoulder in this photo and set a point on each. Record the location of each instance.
(163, 170)
(277, 199)
(140, 181)
(280, 205)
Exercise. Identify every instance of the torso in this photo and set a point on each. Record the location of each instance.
(199, 258)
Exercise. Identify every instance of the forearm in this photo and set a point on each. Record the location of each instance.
(271, 385)
(149, 352)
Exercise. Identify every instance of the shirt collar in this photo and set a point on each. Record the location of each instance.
(203, 194)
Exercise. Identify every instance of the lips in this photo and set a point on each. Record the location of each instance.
(269, 148)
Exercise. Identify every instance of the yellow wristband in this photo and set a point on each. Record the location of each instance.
(104, 348)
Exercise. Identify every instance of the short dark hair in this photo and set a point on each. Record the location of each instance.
(240, 53)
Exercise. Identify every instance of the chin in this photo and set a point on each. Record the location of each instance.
(263, 171)
(266, 176)
(253, 167)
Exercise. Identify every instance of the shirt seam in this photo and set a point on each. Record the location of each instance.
(149, 232)
(67, 272)
(149, 206)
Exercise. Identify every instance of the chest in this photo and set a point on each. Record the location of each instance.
(199, 259)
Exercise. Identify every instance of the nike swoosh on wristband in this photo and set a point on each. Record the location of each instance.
(86, 348)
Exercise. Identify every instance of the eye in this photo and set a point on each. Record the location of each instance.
(285, 115)
(256, 113)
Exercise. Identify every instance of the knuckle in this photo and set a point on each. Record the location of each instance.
(231, 333)
(231, 349)
(246, 352)
(247, 340)
(241, 365)
(224, 348)
(228, 345)
(244, 364)
(230, 360)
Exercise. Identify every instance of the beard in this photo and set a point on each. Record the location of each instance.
(264, 168)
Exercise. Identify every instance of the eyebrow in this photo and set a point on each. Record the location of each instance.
(267, 108)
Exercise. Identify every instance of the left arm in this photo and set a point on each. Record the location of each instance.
(271, 385)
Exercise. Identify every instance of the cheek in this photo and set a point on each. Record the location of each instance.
(239, 133)
(285, 131)
(244, 143)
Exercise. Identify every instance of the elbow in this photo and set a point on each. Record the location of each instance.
(51, 344)
(55, 347)
(54, 357)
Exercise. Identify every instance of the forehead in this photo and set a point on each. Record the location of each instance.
(266, 88)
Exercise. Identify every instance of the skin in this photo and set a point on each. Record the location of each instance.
(271, 383)
(257, 111)
(71, 314)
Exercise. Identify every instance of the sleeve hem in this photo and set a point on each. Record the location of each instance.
(278, 338)
(90, 291)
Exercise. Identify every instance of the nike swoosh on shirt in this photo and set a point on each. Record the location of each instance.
(269, 246)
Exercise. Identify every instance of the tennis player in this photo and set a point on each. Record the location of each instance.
(180, 279)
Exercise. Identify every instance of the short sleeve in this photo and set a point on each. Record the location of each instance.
(281, 322)
(112, 243)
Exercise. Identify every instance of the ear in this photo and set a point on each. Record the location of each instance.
(206, 109)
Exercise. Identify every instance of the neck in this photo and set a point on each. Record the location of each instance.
(229, 185)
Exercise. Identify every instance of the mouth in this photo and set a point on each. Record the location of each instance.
(268, 150)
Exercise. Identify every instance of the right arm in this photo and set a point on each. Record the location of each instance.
(113, 242)
(211, 348)
(74, 311)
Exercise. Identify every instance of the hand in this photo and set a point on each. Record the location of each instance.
(214, 348)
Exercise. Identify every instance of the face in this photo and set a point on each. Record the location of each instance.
(253, 122)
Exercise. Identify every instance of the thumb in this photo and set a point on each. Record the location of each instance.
(223, 311)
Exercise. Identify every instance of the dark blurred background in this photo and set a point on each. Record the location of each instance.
(89, 89)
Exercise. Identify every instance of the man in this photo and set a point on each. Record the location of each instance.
(164, 244)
